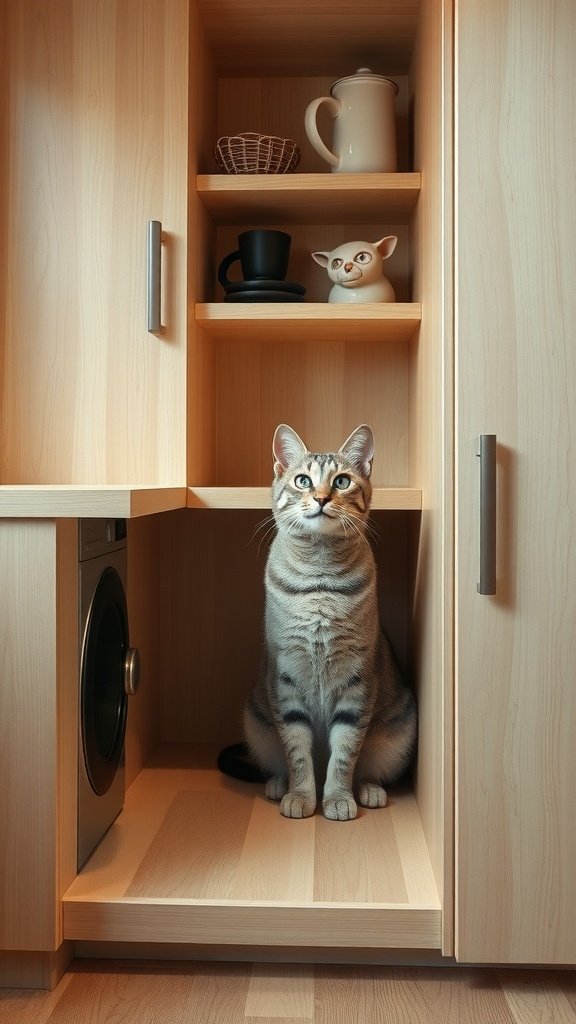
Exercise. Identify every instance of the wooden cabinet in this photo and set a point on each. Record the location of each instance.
(482, 277)
(38, 711)
(516, 377)
(95, 133)
(243, 877)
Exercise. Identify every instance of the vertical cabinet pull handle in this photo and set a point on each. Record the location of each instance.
(486, 452)
(154, 276)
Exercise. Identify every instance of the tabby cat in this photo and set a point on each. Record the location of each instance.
(330, 714)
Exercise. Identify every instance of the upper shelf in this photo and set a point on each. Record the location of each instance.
(309, 198)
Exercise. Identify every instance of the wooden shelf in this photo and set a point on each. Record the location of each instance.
(393, 498)
(122, 501)
(309, 198)
(196, 857)
(312, 321)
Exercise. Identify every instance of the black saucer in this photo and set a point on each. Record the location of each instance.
(263, 295)
(264, 285)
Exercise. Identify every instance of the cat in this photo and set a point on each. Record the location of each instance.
(330, 705)
(356, 270)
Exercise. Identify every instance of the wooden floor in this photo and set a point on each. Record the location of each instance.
(198, 857)
(122, 993)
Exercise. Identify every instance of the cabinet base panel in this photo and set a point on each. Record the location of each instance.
(196, 857)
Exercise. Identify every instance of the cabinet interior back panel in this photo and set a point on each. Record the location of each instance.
(210, 616)
(323, 390)
(310, 238)
(248, 33)
(277, 106)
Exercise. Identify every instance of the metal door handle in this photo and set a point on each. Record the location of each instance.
(154, 262)
(131, 671)
(486, 451)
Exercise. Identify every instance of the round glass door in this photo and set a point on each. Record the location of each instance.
(103, 695)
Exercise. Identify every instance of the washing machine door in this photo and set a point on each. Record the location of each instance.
(103, 697)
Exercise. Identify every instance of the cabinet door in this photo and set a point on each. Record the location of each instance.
(96, 117)
(516, 377)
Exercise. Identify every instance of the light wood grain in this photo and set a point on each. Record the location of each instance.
(66, 695)
(516, 655)
(315, 321)
(305, 198)
(259, 497)
(431, 440)
(96, 115)
(87, 501)
(28, 705)
(261, 35)
(143, 722)
(533, 998)
(323, 390)
(119, 992)
(198, 857)
(281, 992)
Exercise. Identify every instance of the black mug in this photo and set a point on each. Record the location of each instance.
(263, 255)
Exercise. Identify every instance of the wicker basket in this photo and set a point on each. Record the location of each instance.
(251, 153)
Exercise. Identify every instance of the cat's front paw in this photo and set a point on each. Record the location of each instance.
(276, 787)
(372, 795)
(341, 807)
(298, 805)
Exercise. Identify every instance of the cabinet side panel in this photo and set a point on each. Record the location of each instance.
(145, 600)
(28, 732)
(431, 440)
(516, 378)
(67, 700)
(4, 137)
(202, 132)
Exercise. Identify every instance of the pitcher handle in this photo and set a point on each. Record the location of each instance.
(334, 106)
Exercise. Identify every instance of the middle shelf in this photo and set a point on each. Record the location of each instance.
(309, 198)
(314, 321)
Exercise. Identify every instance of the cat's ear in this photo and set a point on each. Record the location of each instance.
(386, 246)
(359, 449)
(321, 258)
(287, 448)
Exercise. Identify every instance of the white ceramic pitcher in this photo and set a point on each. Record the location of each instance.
(364, 136)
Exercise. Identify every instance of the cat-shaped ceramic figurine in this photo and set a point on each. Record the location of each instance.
(356, 270)
(330, 716)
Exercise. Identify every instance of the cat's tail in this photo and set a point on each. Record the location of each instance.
(235, 761)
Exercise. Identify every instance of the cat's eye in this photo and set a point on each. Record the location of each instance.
(302, 482)
(362, 257)
(342, 482)
(337, 263)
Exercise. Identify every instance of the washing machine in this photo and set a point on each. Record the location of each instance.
(108, 676)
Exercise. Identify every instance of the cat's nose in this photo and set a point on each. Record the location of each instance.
(321, 500)
(348, 267)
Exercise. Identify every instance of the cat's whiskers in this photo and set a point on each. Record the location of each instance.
(366, 527)
(268, 525)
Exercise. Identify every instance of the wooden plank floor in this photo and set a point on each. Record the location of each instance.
(128, 993)
(196, 856)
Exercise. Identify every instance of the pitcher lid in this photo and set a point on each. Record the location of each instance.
(365, 75)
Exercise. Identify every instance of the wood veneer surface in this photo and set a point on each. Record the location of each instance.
(122, 993)
(191, 838)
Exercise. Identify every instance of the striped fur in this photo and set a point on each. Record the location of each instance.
(330, 715)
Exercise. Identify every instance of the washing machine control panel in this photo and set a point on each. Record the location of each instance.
(98, 536)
